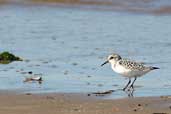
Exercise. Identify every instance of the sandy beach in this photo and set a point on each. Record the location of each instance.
(53, 103)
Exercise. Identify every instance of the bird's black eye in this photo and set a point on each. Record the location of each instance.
(111, 58)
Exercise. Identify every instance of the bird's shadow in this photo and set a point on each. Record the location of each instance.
(129, 92)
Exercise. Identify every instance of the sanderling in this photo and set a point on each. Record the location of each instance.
(128, 68)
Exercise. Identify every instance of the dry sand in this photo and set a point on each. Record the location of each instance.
(16, 103)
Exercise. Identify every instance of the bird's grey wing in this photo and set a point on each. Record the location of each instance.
(139, 62)
(128, 64)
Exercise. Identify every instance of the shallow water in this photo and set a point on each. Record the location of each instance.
(67, 46)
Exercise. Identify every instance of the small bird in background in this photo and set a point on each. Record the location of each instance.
(34, 77)
(127, 68)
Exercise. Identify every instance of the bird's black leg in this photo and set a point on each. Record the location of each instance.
(132, 85)
(127, 84)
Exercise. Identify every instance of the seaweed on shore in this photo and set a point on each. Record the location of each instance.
(6, 58)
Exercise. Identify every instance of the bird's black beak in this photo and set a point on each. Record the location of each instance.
(105, 63)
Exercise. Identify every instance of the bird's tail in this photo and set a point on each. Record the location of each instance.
(153, 68)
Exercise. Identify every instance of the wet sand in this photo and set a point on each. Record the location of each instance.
(134, 6)
(3, 1)
(16, 103)
(83, 2)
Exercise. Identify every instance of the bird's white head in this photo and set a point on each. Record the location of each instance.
(113, 58)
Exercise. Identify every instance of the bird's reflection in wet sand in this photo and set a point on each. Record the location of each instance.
(129, 92)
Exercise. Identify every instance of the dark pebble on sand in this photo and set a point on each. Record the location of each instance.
(88, 94)
(76, 109)
(139, 105)
(170, 107)
(135, 110)
(28, 94)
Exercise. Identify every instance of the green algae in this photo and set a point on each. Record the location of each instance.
(6, 58)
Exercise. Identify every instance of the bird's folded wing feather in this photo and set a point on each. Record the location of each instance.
(128, 64)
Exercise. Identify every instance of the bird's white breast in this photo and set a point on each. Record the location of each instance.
(127, 72)
(120, 69)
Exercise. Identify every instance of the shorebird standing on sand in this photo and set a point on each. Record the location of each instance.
(127, 68)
